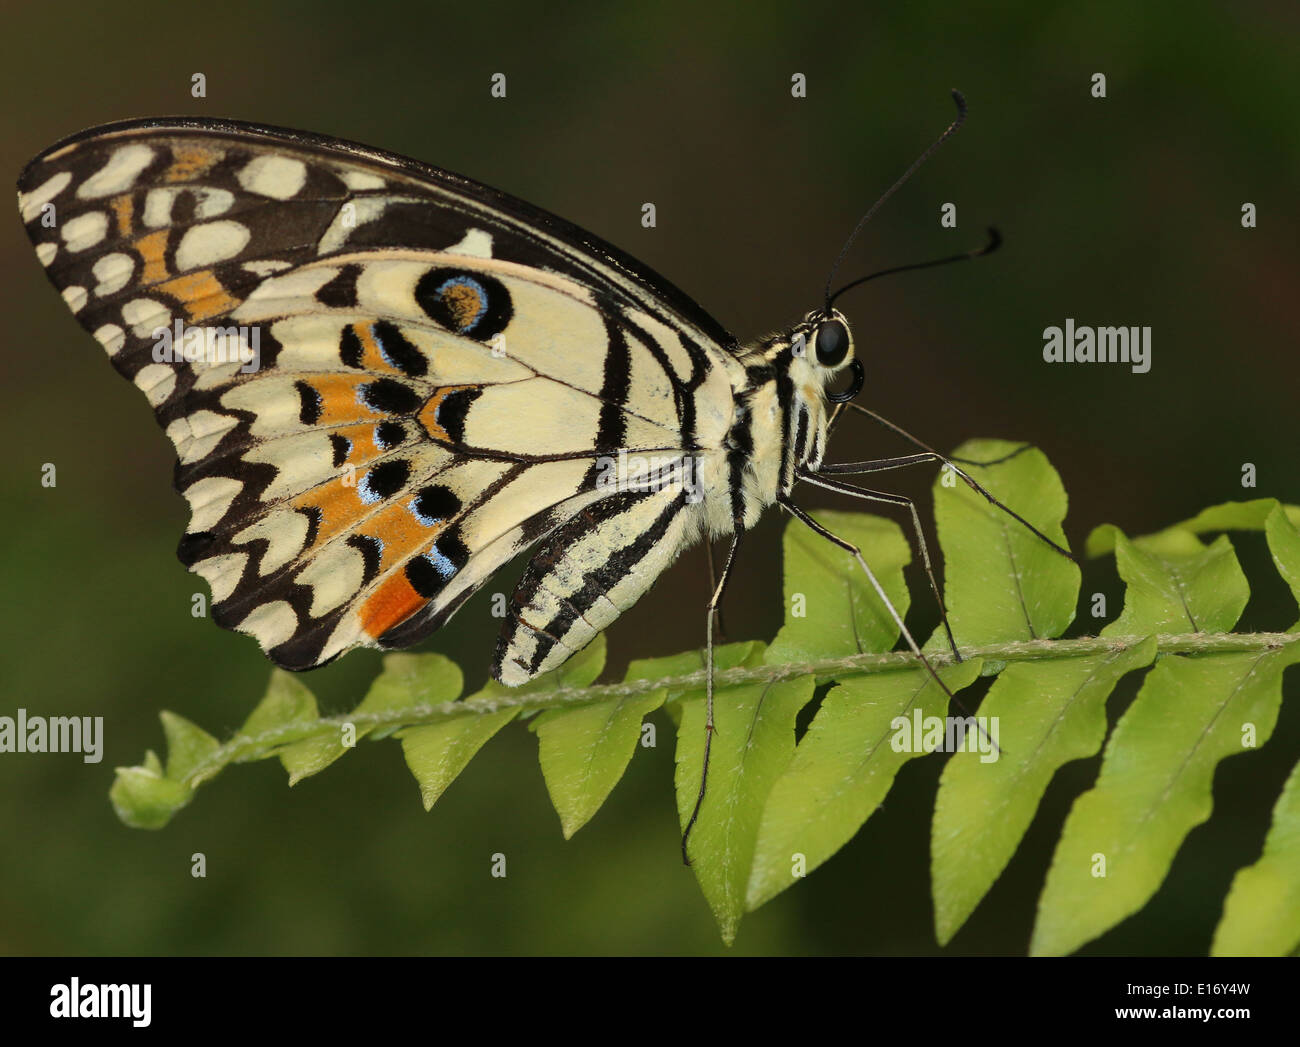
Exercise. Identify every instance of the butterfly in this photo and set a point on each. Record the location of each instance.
(383, 381)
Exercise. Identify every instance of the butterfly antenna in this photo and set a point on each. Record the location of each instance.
(995, 241)
(951, 129)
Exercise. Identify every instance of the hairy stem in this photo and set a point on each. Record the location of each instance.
(248, 747)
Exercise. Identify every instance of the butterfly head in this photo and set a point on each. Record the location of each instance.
(824, 344)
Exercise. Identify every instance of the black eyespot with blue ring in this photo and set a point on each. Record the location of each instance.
(472, 304)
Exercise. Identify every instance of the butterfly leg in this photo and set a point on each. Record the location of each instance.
(856, 553)
(880, 465)
(713, 584)
(894, 427)
(708, 686)
(853, 491)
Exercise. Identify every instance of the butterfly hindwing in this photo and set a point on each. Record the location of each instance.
(382, 381)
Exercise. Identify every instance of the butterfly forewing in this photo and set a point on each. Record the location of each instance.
(383, 382)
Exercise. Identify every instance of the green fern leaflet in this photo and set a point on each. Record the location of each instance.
(779, 805)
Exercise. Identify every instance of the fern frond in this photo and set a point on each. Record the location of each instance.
(777, 808)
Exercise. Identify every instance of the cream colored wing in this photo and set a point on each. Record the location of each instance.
(382, 381)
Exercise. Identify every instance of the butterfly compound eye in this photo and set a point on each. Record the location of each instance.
(832, 343)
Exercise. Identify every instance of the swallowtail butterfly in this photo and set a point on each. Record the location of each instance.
(383, 381)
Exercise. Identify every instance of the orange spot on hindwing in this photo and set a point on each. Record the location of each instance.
(391, 604)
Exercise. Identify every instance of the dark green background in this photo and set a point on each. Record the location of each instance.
(1121, 211)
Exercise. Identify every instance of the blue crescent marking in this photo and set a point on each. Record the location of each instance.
(427, 521)
(383, 351)
(365, 493)
(440, 563)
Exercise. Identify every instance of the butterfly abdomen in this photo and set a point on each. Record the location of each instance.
(588, 573)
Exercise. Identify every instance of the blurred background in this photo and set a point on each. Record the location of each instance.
(1119, 211)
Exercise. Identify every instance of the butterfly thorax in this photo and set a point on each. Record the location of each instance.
(780, 424)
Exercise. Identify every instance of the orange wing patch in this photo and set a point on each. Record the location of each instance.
(338, 504)
(123, 213)
(341, 510)
(361, 444)
(391, 604)
(341, 400)
(403, 536)
(191, 161)
(152, 248)
(200, 294)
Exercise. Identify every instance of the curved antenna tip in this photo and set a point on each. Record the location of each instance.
(948, 132)
(995, 241)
